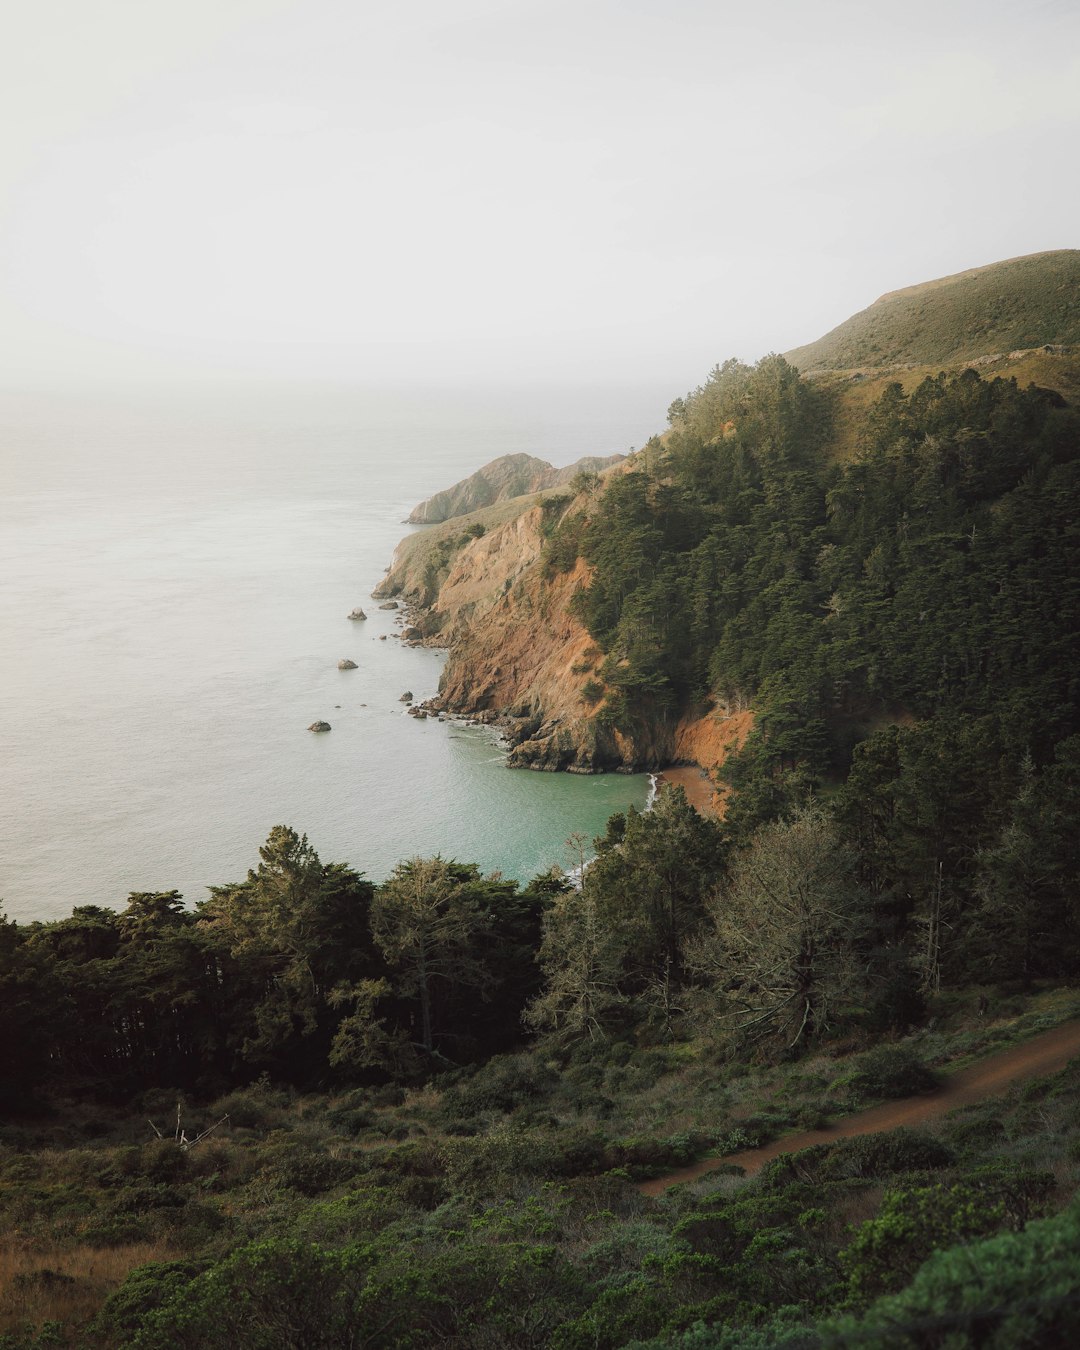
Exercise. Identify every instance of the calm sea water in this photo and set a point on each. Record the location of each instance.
(175, 576)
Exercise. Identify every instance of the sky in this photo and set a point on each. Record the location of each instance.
(480, 191)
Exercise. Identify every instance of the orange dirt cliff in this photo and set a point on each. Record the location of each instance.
(477, 585)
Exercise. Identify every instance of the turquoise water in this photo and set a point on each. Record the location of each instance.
(175, 576)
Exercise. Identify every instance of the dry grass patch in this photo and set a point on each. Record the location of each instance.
(51, 1284)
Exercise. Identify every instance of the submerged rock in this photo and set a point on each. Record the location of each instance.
(346, 664)
(319, 726)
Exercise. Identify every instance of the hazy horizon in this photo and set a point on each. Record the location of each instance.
(506, 190)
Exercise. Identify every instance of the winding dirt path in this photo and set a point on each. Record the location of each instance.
(1045, 1053)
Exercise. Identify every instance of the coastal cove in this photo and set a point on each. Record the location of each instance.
(175, 579)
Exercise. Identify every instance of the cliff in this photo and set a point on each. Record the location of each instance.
(504, 478)
(477, 585)
(514, 650)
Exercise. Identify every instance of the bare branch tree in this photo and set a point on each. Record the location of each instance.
(778, 952)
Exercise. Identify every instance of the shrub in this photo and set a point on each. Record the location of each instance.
(889, 1072)
(314, 1173)
(269, 1294)
(389, 1094)
(354, 1122)
(163, 1161)
(351, 1116)
(501, 1085)
(255, 1108)
(976, 1129)
(866, 1157)
(121, 1230)
(1015, 1289)
(644, 1157)
(1010, 1290)
(592, 691)
(887, 1251)
(145, 1289)
(145, 1196)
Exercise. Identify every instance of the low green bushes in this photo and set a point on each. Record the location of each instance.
(887, 1072)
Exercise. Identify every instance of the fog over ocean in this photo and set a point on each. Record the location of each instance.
(175, 574)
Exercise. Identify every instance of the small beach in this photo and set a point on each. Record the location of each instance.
(696, 783)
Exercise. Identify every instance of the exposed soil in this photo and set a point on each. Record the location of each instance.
(695, 782)
(1042, 1054)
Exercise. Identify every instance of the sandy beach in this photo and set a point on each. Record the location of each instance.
(697, 785)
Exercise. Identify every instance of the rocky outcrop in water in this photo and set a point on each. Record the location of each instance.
(346, 664)
(319, 726)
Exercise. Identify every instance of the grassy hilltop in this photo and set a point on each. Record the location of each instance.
(1005, 307)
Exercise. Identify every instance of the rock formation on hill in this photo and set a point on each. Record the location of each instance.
(504, 478)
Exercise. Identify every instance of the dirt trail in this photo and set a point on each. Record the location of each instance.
(1042, 1054)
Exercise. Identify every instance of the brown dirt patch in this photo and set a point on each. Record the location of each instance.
(695, 782)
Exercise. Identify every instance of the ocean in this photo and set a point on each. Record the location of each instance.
(176, 571)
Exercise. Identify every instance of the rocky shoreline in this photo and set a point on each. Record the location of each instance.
(519, 662)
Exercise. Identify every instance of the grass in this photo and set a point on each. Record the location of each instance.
(50, 1283)
(1009, 306)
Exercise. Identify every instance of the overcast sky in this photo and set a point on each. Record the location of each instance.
(486, 190)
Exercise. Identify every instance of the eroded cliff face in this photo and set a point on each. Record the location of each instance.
(515, 652)
(518, 656)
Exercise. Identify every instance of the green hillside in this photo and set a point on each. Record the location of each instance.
(1007, 306)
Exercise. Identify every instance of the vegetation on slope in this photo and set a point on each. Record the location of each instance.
(1007, 306)
(503, 479)
(495, 1205)
(458, 1173)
